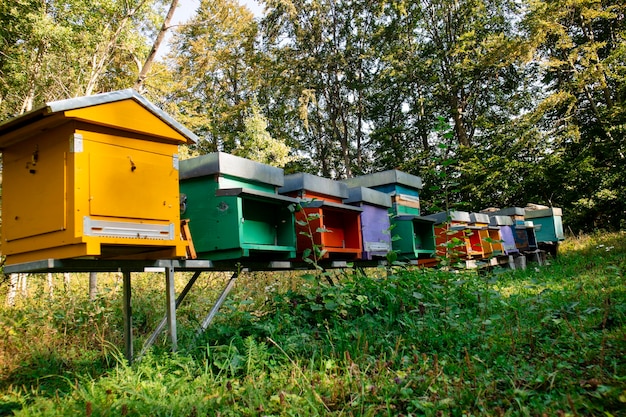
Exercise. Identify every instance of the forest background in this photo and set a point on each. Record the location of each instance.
(534, 92)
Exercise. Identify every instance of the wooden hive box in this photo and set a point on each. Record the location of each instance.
(403, 188)
(525, 238)
(484, 239)
(92, 177)
(415, 237)
(452, 234)
(375, 224)
(414, 234)
(507, 233)
(548, 224)
(234, 209)
(324, 221)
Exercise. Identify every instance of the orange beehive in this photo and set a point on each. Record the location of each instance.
(325, 222)
(92, 177)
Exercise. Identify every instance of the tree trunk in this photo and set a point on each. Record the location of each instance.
(459, 122)
(50, 283)
(66, 281)
(23, 285)
(145, 69)
(99, 60)
(27, 104)
(93, 285)
(13, 279)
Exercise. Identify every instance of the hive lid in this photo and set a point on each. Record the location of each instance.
(55, 113)
(453, 215)
(309, 182)
(500, 221)
(392, 176)
(543, 212)
(479, 218)
(324, 203)
(367, 195)
(223, 163)
(510, 211)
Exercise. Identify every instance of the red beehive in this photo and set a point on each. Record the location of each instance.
(324, 222)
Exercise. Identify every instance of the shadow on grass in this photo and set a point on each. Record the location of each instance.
(48, 374)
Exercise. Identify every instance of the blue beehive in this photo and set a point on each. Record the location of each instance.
(375, 224)
(506, 233)
(548, 224)
(525, 238)
(415, 234)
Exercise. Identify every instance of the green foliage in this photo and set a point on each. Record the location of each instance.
(58, 49)
(419, 342)
(258, 145)
(214, 60)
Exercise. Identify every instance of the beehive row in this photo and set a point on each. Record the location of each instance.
(99, 177)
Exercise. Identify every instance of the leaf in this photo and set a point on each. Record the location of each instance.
(331, 305)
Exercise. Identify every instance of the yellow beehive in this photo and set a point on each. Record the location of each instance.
(92, 177)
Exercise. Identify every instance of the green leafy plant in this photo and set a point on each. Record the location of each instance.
(417, 342)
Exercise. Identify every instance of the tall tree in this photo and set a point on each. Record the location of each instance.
(55, 49)
(456, 59)
(580, 45)
(321, 48)
(214, 63)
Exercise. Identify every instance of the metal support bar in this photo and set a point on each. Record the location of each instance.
(209, 318)
(170, 296)
(128, 316)
(150, 341)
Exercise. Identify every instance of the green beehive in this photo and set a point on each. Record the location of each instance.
(548, 223)
(234, 209)
(413, 237)
(548, 226)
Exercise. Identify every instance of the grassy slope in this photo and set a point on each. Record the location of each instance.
(549, 340)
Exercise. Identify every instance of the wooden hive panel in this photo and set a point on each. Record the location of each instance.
(92, 177)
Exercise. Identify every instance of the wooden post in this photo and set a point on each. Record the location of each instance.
(50, 283)
(13, 279)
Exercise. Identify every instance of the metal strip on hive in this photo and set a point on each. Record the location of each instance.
(131, 230)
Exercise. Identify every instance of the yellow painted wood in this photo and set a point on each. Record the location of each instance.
(123, 171)
(94, 250)
(35, 171)
(127, 115)
(132, 183)
(10, 137)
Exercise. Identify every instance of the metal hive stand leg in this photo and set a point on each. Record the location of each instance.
(168, 318)
(128, 316)
(209, 318)
(170, 294)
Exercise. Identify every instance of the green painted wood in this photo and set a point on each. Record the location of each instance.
(229, 181)
(399, 210)
(414, 238)
(239, 225)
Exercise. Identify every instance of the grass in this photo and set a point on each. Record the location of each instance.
(548, 340)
